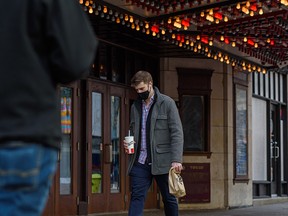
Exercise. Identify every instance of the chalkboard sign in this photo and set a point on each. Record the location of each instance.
(241, 157)
(192, 112)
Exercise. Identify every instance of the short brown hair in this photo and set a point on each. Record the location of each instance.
(141, 76)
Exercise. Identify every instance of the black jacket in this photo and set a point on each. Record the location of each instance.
(42, 43)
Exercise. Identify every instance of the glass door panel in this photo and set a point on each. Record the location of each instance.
(275, 151)
(66, 127)
(97, 142)
(115, 139)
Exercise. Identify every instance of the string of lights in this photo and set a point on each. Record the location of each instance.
(252, 27)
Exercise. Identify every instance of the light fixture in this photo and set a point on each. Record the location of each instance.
(188, 42)
(238, 6)
(261, 11)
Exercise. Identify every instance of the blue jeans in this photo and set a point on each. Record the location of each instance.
(26, 172)
(141, 179)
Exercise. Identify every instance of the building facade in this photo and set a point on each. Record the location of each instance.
(232, 121)
(234, 116)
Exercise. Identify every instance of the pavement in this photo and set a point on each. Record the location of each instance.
(279, 209)
(276, 209)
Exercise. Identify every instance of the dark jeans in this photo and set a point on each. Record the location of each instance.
(141, 179)
(26, 172)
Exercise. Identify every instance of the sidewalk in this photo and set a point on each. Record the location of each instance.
(277, 209)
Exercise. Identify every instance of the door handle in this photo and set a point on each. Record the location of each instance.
(108, 153)
(110, 150)
(277, 152)
(271, 150)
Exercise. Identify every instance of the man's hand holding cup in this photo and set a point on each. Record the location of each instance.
(129, 144)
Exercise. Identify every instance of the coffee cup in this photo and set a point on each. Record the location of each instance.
(130, 142)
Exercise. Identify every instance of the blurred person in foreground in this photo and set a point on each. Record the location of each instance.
(158, 136)
(42, 43)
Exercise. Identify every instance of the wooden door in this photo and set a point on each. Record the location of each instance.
(63, 193)
(107, 125)
(106, 163)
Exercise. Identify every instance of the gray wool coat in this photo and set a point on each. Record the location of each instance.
(166, 133)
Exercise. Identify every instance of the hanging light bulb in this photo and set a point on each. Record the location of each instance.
(105, 10)
(261, 11)
(90, 10)
(238, 6)
(211, 12)
(247, 4)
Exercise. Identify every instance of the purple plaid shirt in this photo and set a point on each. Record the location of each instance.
(145, 112)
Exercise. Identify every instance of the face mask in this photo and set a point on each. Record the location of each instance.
(144, 95)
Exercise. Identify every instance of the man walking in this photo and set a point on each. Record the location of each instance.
(158, 133)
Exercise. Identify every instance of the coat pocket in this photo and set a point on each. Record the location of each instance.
(161, 122)
(163, 155)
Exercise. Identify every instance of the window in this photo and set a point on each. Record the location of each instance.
(194, 88)
(193, 120)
